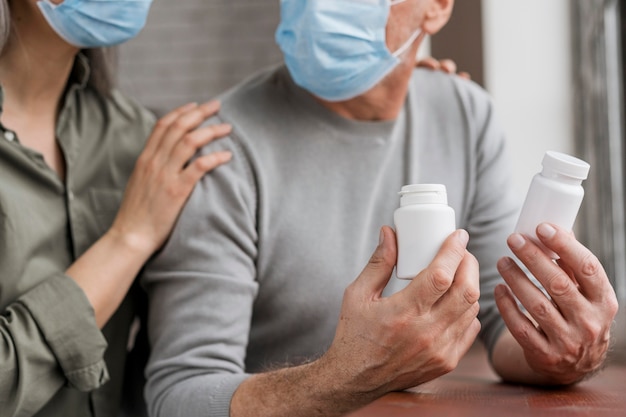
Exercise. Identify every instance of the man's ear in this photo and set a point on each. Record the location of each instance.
(437, 15)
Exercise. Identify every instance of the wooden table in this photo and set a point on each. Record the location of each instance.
(473, 390)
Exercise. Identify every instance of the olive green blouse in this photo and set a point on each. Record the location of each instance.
(54, 361)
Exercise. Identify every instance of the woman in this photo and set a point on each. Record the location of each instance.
(77, 222)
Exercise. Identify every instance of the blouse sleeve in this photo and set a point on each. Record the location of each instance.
(48, 338)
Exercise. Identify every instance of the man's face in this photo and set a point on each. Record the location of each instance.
(338, 50)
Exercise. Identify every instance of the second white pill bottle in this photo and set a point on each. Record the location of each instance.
(423, 221)
(554, 196)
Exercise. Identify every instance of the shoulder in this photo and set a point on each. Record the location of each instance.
(127, 106)
(116, 112)
(127, 110)
(256, 97)
(447, 97)
(439, 87)
(113, 127)
(434, 83)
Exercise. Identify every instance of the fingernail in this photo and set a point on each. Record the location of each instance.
(516, 241)
(463, 236)
(499, 291)
(381, 237)
(504, 263)
(546, 231)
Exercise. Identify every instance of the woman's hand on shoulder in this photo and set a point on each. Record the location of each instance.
(446, 65)
(165, 175)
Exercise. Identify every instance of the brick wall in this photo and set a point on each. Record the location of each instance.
(192, 50)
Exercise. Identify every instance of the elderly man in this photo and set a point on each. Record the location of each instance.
(255, 309)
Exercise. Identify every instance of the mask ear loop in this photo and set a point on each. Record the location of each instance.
(401, 50)
(411, 39)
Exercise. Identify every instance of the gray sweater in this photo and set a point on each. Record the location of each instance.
(253, 275)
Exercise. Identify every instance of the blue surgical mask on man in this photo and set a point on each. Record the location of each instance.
(96, 23)
(336, 49)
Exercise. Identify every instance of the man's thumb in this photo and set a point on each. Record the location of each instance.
(377, 272)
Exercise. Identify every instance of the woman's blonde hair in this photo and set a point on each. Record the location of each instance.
(101, 60)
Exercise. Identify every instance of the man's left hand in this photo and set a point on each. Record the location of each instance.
(570, 335)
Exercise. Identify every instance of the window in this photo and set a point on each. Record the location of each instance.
(599, 71)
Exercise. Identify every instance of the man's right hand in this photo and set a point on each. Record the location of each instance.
(381, 344)
(413, 336)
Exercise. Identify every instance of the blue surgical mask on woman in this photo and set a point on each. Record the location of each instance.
(96, 23)
(336, 49)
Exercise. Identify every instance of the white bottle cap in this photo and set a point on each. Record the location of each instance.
(423, 194)
(563, 164)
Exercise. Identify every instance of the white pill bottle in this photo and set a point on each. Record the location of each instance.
(423, 221)
(554, 196)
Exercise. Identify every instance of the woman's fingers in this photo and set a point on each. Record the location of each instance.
(189, 144)
(163, 124)
(172, 127)
(203, 164)
(184, 124)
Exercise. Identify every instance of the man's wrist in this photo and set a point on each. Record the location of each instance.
(319, 388)
(340, 383)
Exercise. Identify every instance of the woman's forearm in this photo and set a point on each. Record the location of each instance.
(106, 271)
